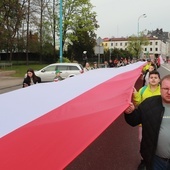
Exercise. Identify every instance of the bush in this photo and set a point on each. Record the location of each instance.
(64, 60)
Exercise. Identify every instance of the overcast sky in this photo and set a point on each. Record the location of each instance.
(120, 17)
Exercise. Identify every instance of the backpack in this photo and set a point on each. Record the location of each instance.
(143, 89)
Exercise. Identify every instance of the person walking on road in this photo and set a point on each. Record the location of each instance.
(31, 78)
(146, 74)
(95, 66)
(87, 67)
(152, 89)
(154, 114)
(147, 65)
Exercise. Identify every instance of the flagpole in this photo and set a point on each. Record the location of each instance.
(61, 31)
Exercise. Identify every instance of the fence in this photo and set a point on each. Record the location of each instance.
(3, 65)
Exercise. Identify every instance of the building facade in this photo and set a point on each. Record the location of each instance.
(155, 47)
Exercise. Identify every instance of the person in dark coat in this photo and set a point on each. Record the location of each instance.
(154, 115)
(111, 64)
(31, 78)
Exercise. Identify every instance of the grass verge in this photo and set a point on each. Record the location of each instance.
(20, 70)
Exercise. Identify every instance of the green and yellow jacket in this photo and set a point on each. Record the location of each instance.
(144, 93)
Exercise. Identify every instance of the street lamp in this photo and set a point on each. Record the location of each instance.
(141, 16)
(61, 31)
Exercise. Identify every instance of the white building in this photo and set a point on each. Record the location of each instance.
(155, 48)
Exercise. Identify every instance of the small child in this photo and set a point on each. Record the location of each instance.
(58, 77)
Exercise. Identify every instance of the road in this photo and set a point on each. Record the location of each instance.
(164, 70)
(8, 84)
(117, 148)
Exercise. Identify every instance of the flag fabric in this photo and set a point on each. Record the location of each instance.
(160, 60)
(47, 125)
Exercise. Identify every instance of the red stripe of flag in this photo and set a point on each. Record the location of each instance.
(55, 139)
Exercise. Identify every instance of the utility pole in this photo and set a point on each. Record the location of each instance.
(61, 31)
(139, 46)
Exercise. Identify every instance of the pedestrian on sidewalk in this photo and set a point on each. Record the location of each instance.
(31, 78)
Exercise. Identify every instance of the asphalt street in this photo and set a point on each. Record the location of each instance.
(117, 148)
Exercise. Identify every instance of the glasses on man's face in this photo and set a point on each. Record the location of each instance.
(165, 89)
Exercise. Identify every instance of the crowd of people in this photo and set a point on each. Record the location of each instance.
(106, 64)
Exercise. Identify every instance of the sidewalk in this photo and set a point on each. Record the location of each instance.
(7, 81)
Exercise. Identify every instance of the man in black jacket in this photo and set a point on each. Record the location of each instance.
(154, 115)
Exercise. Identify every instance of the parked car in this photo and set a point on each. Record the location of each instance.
(47, 73)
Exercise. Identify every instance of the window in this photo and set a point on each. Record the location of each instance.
(116, 44)
(145, 49)
(50, 68)
(125, 44)
(62, 67)
(120, 44)
(73, 68)
(106, 44)
(156, 49)
(111, 44)
(150, 43)
(156, 43)
(150, 49)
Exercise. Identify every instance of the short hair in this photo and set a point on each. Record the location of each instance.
(153, 65)
(165, 77)
(154, 72)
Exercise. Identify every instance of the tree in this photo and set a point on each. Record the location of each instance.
(135, 44)
(11, 15)
(84, 42)
(21, 20)
(78, 18)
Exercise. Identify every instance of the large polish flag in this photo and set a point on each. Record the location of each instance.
(45, 126)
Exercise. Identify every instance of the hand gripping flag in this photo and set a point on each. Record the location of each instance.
(45, 126)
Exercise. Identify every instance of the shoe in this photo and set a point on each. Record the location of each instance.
(142, 165)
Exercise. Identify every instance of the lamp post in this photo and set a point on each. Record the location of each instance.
(61, 31)
(141, 16)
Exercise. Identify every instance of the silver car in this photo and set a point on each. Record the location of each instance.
(67, 70)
